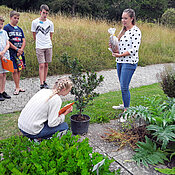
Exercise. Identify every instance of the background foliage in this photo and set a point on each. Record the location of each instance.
(105, 9)
(77, 37)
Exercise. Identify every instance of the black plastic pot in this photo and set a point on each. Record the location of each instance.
(79, 127)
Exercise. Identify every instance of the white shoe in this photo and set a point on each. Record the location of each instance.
(123, 118)
(121, 106)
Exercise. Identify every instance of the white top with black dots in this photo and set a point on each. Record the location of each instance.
(130, 42)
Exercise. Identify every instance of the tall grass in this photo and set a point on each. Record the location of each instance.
(88, 40)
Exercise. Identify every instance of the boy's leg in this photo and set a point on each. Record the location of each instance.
(4, 94)
(16, 77)
(1, 87)
(1, 82)
(41, 60)
(48, 59)
(45, 71)
(41, 72)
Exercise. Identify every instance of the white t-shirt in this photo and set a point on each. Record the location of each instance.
(3, 42)
(42, 30)
(39, 110)
(130, 42)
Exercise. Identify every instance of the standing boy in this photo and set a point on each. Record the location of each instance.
(17, 45)
(4, 55)
(43, 29)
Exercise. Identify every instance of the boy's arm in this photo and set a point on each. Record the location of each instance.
(51, 35)
(12, 46)
(5, 50)
(34, 35)
(21, 50)
(6, 47)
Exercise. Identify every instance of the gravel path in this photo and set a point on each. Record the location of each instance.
(143, 76)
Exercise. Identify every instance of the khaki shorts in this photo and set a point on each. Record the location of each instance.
(44, 55)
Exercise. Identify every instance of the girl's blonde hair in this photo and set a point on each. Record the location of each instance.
(61, 83)
(131, 14)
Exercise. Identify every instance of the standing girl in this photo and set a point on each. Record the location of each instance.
(127, 59)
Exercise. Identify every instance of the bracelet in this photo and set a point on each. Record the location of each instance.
(17, 49)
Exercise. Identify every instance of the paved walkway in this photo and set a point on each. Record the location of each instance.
(142, 76)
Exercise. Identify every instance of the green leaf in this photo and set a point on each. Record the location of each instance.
(147, 153)
(166, 170)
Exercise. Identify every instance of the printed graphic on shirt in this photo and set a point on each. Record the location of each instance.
(41, 29)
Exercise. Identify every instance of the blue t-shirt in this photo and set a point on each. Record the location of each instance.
(15, 35)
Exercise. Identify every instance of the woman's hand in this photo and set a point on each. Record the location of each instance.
(68, 110)
(116, 55)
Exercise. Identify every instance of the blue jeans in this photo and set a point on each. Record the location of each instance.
(125, 72)
(47, 131)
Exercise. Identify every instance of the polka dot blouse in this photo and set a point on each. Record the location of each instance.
(130, 42)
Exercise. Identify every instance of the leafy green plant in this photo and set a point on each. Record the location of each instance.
(160, 118)
(163, 134)
(83, 84)
(148, 153)
(65, 156)
(166, 170)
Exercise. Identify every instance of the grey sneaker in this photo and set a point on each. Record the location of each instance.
(121, 106)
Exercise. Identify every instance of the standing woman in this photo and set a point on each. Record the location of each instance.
(40, 117)
(127, 59)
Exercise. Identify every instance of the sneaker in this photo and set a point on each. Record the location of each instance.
(45, 85)
(1, 97)
(5, 95)
(42, 86)
(119, 107)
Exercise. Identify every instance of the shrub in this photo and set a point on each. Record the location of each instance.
(56, 156)
(167, 81)
(83, 84)
(168, 18)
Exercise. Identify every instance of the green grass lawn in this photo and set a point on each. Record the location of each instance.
(100, 111)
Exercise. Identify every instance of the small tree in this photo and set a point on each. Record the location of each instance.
(84, 84)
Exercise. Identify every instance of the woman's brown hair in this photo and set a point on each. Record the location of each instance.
(131, 14)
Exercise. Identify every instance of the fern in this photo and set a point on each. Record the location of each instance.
(163, 134)
(147, 153)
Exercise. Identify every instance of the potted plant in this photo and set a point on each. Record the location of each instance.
(83, 88)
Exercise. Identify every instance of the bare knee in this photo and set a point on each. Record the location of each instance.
(41, 66)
